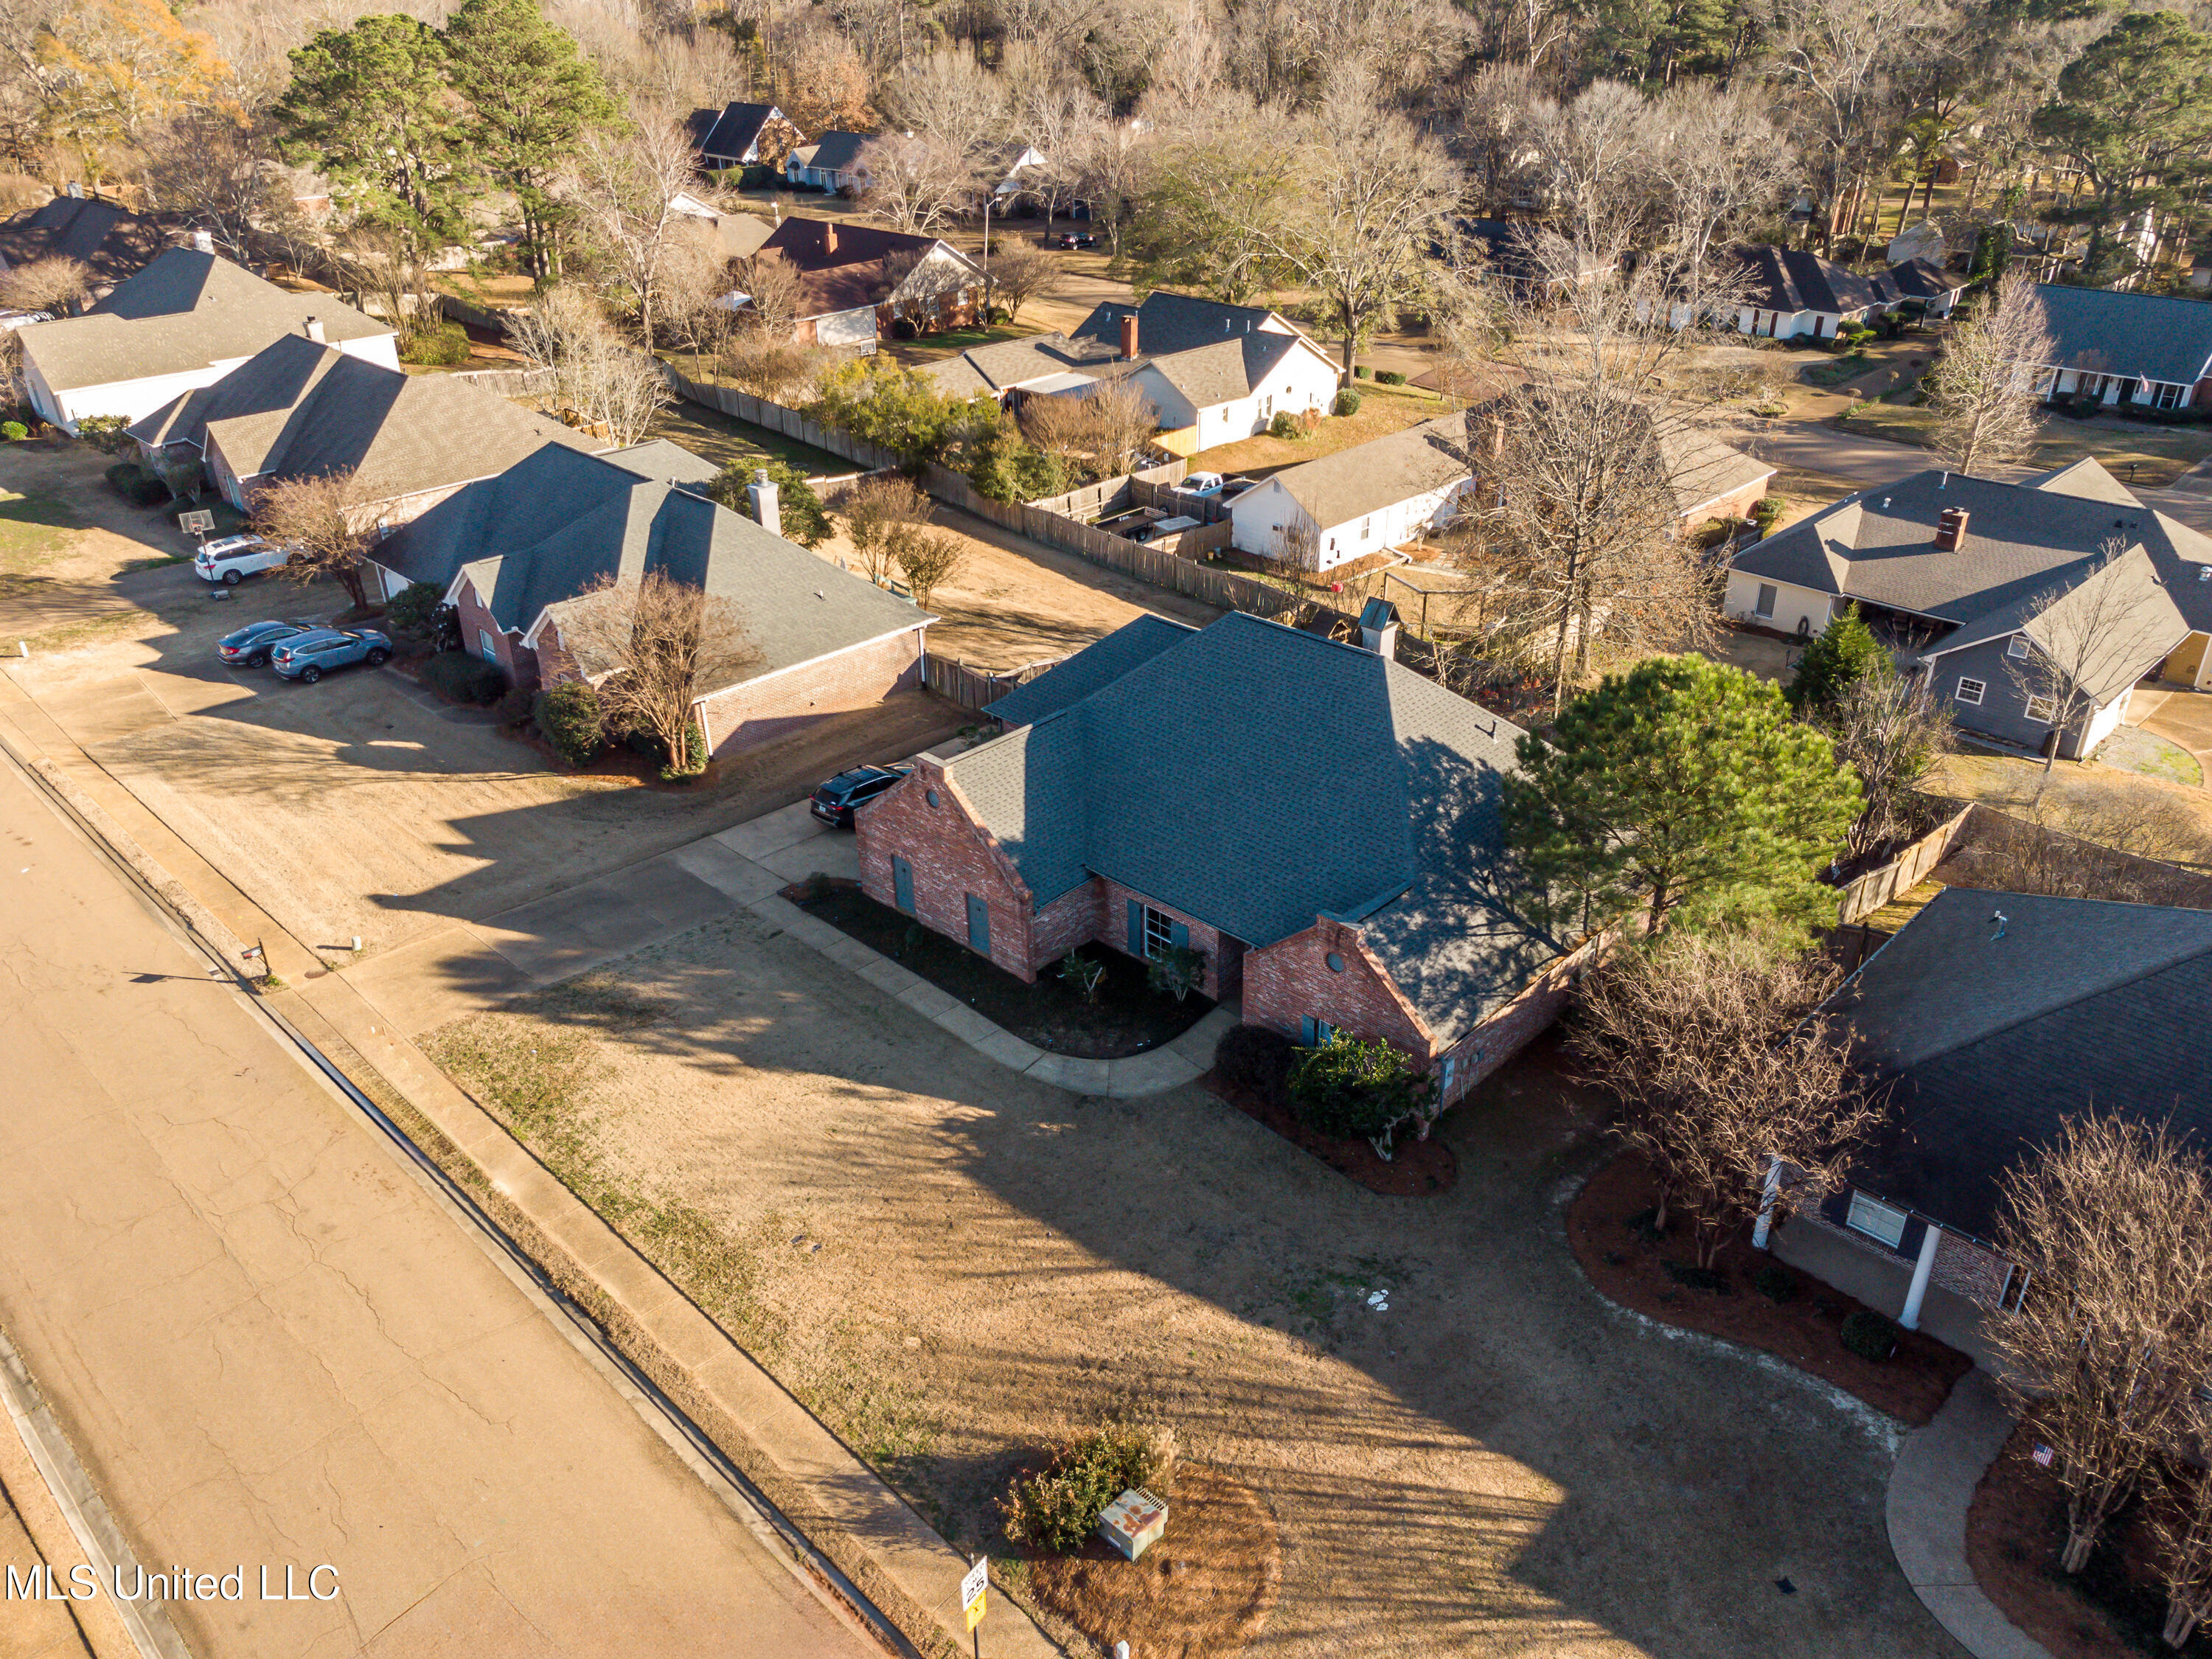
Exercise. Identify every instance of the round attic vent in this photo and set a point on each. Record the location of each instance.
(930, 795)
(1335, 962)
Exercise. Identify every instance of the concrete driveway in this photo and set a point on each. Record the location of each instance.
(2179, 716)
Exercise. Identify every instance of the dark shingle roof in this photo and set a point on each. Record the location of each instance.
(1791, 279)
(836, 151)
(1257, 778)
(1099, 664)
(2152, 335)
(297, 408)
(549, 527)
(1012, 363)
(111, 239)
(1916, 279)
(184, 311)
(1878, 545)
(1172, 322)
(730, 133)
(1990, 1043)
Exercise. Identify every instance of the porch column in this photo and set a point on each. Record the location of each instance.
(1770, 1190)
(1922, 1270)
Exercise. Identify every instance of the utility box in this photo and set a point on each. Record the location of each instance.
(1133, 1521)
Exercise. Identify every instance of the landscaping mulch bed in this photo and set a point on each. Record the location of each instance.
(1129, 1017)
(1415, 1169)
(2113, 1608)
(1201, 1592)
(1805, 1329)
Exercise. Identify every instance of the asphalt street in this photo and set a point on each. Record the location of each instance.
(271, 1347)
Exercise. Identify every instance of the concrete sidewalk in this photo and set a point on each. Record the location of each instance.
(1930, 1490)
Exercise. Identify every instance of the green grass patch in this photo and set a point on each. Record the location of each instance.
(721, 438)
(2132, 749)
(85, 630)
(158, 561)
(34, 528)
(1847, 367)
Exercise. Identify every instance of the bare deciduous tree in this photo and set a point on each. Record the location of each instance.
(950, 99)
(1020, 272)
(871, 509)
(1890, 730)
(772, 284)
(915, 182)
(217, 168)
(2181, 1523)
(1710, 1043)
(927, 558)
(625, 182)
(325, 522)
(1103, 431)
(54, 283)
(1983, 387)
(781, 369)
(1720, 165)
(2088, 641)
(598, 380)
(654, 646)
(2113, 1223)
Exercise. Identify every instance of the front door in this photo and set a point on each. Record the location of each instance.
(979, 925)
(902, 884)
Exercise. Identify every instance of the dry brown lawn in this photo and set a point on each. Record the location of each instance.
(2152, 817)
(1382, 411)
(954, 1265)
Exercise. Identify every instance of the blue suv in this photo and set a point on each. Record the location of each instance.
(309, 656)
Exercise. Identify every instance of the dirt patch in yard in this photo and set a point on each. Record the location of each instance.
(2113, 1608)
(1202, 1591)
(1127, 1017)
(1630, 1267)
(1413, 1169)
(1382, 411)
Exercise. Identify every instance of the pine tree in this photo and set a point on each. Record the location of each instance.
(1682, 786)
(532, 97)
(1845, 651)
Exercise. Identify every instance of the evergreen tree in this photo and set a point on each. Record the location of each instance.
(369, 108)
(1845, 651)
(798, 507)
(1681, 786)
(532, 97)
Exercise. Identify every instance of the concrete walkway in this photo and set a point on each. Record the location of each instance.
(1931, 1489)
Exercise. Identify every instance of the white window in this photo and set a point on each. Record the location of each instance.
(1970, 692)
(1366, 527)
(1877, 1219)
(2017, 649)
(1766, 597)
(1159, 931)
(2042, 708)
(1450, 1069)
(485, 647)
(2169, 395)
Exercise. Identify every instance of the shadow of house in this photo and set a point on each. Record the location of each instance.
(106, 238)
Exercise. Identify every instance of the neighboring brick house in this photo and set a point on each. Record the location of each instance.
(1972, 577)
(847, 294)
(1320, 822)
(1988, 1021)
(300, 407)
(514, 552)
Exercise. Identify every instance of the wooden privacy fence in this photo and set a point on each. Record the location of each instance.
(759, 411)
(1901, 874)
(975, 687)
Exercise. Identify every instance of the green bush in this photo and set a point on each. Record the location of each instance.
(1347, 403)
(1870, 1335)
(1695, 1278)
(670, 773)
(797, 508)
(1256, 1060)
(1284, 425)
(442, 345)
(1003, 468)
(1352, 1087)
(1359, 371)
(1389, 377)
(1055, 1505)
(104, 433)
(514, 705)
(570, 717)
(1176, 971)
(1775, 1283)
(134, 484)
(14, 431)
(459, 677)
(416, 608)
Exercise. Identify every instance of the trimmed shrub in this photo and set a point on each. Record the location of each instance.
(1256, 1060)
(1355, 1086)
(1698, 1279)
(514, 706)
(1055, 1505)
(14, 431)
(440, 346)
(134, 484)
(1774, 1282)
(414, 610)
(1284, 425)
(1176, 970)
(1359, 371)
(459, 677)
(104, 433)
(1347, 403)
(670, 774)
(1870, 1335)
(570, 717)
(1389, 377)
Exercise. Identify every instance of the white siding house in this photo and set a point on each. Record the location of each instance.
(1359, 501)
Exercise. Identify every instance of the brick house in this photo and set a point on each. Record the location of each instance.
(512, 553)
(1320, 822)
(847, 295)
(1989, 1019)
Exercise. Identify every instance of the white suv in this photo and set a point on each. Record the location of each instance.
(235, 557)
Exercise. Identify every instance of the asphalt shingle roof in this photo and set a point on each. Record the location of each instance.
(1878, 545)
(186, 310)
(111, 239)
(1257, 778)
(731, 133)
(1992, 1034)
(1172, 322)
(297, 408)
(1792, 279)
(1098, 664)
(1380, 473)
(836, 151)
(2152, 335)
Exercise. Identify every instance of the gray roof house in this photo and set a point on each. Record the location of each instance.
(1321, 824)
(105, 237)
(1974, 578)
(831, 162)
(1988, 1021)
(732, 136)
(299, 407)
(183, 322)
(2137, 348)
(1789, 292)
(514, 551)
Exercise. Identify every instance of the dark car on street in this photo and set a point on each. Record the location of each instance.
(249, 646)
(1076, 239)
(834, 801)
(311, 655)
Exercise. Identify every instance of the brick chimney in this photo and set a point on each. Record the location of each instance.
(1951, 529)
(314, 329)
(829, 239)
(1129, 335)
